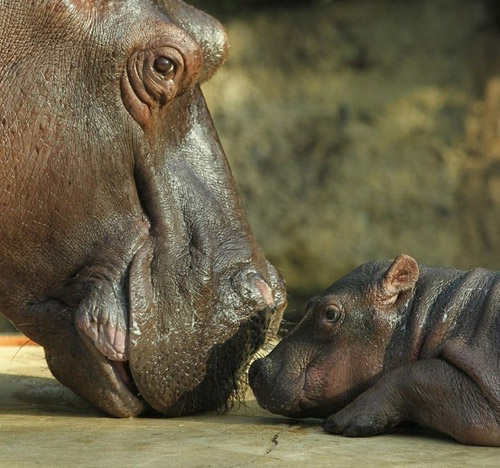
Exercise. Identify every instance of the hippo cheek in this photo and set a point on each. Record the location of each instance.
(332, 381)
(323, 392)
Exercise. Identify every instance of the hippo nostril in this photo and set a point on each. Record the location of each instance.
(277, 284)
(257, 373)
(253, 289)
(266, 292)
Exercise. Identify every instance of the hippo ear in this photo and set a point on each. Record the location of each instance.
(400, 276)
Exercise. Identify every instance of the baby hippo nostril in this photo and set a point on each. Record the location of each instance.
(257, 373)
(253, 289)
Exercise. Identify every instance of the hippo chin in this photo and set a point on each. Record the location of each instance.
(124, 248)
(393, 342)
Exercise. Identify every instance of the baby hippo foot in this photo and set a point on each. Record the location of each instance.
(102, 313)
(362, 418)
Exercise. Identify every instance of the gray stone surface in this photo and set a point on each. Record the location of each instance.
(43, 424)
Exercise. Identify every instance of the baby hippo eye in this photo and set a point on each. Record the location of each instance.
(164, 66)
(332, 314)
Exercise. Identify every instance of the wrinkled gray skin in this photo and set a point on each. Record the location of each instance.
(124, 249)
(390, 343)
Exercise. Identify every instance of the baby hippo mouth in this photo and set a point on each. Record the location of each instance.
(155, 362)
(277, 394)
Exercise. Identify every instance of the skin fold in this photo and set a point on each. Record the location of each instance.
(389, 343)
(124, 248)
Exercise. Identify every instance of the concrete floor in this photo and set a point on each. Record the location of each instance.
(44, 424)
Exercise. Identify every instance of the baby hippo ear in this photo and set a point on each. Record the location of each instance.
(400, 276)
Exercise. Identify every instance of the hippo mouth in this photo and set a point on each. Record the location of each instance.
(124, 376)
(211, 393)
(280, 392)
(123, 398)
(292, 402)
(147, 360)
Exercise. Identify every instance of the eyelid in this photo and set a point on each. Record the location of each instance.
(332, 308)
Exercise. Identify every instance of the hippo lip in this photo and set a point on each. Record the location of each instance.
(298, 403)
(128, 389)
(299, 407)
(128, 398)
(123, 374)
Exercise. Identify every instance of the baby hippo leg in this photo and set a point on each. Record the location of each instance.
(430, 392)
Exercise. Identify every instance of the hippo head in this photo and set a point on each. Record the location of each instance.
(124, 248)
(339, 348)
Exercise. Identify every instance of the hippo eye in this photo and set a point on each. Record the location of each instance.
(164, 67)
(332, 314)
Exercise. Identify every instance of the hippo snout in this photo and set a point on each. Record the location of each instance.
(258, 372)
(258, 377)
(274, 390)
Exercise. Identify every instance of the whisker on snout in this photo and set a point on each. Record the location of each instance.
(286, 327)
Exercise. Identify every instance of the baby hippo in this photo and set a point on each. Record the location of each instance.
(393, 342)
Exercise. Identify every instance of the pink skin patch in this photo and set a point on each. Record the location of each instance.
(266, 292)
(109, 340)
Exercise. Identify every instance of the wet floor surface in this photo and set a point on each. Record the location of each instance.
(44, 424)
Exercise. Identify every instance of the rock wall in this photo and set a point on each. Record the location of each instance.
(360, 129)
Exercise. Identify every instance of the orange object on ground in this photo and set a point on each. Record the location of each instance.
(16, 340)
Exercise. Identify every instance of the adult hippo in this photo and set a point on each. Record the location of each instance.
(124, 249)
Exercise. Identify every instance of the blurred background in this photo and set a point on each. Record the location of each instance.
(360, 129)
